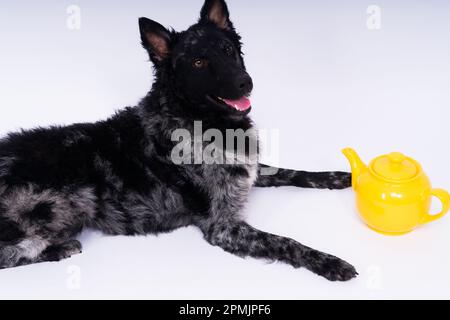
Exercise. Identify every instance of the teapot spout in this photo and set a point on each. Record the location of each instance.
(357, 165)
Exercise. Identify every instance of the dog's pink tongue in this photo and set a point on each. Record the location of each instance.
(241, 104)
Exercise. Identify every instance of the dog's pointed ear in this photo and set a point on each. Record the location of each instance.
(155, 39)
(216, 11)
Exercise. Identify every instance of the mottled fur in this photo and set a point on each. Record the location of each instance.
(117, 175)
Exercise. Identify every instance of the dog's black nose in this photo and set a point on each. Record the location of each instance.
(245, 84)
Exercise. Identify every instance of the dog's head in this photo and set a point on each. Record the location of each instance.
(203, 63)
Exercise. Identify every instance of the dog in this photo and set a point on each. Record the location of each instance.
(118, 175)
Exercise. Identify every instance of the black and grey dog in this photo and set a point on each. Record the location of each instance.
(118, 175)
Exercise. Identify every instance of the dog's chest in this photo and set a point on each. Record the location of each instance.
(229, 186)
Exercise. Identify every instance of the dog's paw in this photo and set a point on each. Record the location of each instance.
(71, 248)
(334, 269)
(339, 180)
(62, 251)
(8, 257)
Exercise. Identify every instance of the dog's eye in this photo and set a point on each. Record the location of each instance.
(199, 63)
(229, 50)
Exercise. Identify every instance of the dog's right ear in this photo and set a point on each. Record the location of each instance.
(216, 11)
(155, 39)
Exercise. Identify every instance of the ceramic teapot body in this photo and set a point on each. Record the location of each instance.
(393, 194)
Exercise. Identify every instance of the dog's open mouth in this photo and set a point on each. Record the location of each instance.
(242, 104)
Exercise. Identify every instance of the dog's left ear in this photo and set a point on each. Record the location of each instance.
(156, 39)
(216, 11)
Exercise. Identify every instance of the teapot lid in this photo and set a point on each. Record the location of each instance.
(395, 166)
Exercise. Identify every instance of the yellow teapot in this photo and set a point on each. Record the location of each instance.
(393, 194)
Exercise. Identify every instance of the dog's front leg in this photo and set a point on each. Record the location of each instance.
(241, 239)
(274, 177)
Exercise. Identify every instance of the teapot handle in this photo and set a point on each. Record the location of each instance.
(444, 196)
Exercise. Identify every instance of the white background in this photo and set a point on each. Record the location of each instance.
(322, 78)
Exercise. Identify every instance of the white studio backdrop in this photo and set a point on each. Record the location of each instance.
(374, 75)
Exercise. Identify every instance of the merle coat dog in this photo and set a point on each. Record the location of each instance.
(118, 176)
